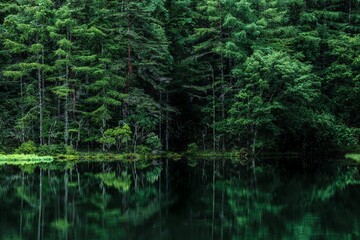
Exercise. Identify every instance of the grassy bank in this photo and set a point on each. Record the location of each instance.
(20, 159)
(238, 156)
(102, 156)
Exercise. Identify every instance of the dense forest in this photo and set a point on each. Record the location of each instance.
(129, 75)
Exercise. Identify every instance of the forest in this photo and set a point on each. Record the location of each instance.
(143, 75)
(179, 119)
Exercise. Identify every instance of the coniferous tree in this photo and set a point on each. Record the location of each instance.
(29, 36)
(62, 33)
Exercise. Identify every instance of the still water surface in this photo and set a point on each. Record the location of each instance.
(185, 200)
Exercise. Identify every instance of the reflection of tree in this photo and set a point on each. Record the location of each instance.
(78, 201)
(248, 204)
(118, 182)
(100, 201)
(276, 203)
(284, 206)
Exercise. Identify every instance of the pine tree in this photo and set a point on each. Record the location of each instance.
(148, 55)
(62, 32)
(208, 39)
(28, 35)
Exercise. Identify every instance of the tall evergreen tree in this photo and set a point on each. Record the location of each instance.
(62, 32)
(28, 35)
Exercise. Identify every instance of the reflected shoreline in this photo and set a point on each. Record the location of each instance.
(206, 199)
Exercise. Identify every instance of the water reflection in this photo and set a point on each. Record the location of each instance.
(207, 199)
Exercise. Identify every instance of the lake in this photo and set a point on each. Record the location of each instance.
(191, 200)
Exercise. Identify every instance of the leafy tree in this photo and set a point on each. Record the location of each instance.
(27, 148)
(274, 86)
(118, 136)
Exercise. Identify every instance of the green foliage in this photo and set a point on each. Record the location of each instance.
(192, 149)
(24, 159)
(52, 149)
(122, 182)
(353, 156)
(274, 86)
(70, 150)
(61, 225)
(222, 73)
(119, 136)
(153, 142)
(153, 176)
(142, 150)
(27, 148)
(326, 127)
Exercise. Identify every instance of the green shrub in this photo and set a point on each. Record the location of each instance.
(153, 142)
(142, 150)
(27, 148)
(52, 149)
(61, 225)
(173, 156)
(2, 149)
(192, 149)
(118, 136)
(70, 150)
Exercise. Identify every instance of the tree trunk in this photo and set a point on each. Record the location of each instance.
(167, 134)
(254, 146)
(130, 68)
(160, 117)
(40, 107)
(22, 110)
(350, 8)
(102, 133)
(66, 110)
(66, 130)
(213, 109)
(222, 76)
